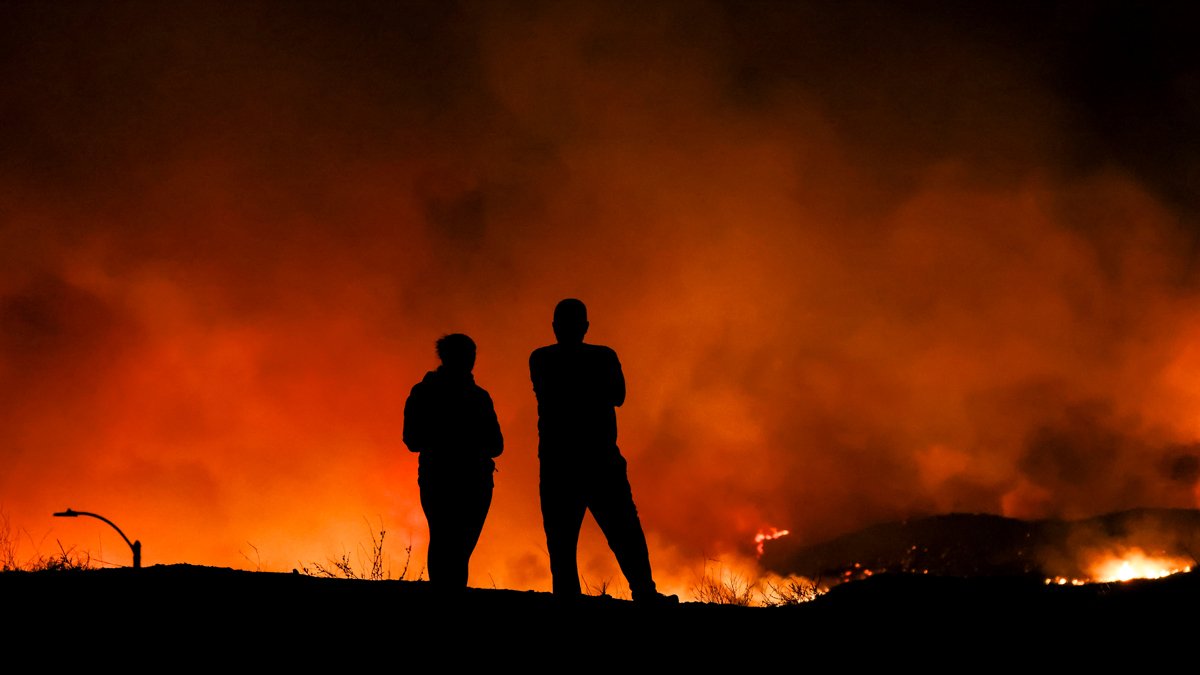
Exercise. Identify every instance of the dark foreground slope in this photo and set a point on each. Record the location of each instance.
(187, 614)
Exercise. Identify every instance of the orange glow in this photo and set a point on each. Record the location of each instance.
(1135, 564)
(1063, 581)
(841, 294)
(1126, 565)
(858, 572)
(767, 535)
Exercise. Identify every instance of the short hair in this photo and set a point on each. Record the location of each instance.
(455, 348)
(570, 310)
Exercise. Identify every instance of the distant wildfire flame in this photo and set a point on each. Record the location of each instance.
(858, 572)
(765, 536)
(1137, 565)
(1126, 566)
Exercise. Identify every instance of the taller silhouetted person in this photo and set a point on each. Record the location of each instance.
(578, 388)
(451, 422)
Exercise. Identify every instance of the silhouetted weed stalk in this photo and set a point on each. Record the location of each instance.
(8, 545)
(722, 587)
(600, 589)
(719, 586)
(790, 591)
(373, 565)
(65, 559)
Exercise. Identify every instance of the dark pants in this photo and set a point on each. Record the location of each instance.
(569, 490)
(455, 507)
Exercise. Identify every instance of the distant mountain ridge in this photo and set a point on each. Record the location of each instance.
(974, 544)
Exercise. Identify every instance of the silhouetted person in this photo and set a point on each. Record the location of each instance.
(451, 422)
(578, 387)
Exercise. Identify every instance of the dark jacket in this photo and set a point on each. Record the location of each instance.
(578, 387)
(452, 423)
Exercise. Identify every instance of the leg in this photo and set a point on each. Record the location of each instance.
(613, 508)
(562, 516)
(456, 509)
(476, 503)
(440, 516)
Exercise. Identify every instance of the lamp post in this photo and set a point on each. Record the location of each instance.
(135, 545)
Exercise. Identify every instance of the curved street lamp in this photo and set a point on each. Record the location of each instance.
(135, 545)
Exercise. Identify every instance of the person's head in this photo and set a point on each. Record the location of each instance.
(457, 352)
(570, 321)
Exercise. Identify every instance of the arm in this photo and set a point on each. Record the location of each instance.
(535, 374)
(493, 440)
(617, 382)
(416, 435)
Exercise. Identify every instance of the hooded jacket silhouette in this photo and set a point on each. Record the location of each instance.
(451, 422)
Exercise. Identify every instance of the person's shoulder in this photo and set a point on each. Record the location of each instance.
(601, 351)
(418, 390)
(542, 353)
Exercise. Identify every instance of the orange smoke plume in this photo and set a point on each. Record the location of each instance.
(858, 262)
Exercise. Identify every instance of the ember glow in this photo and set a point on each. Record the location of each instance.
(1126, 566)
(857, 572)
(767, 535)
(1137, 565)
(860, 261)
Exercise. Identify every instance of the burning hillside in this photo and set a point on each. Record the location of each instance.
(1143, 543)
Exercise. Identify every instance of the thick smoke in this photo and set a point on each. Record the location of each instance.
(860, 262)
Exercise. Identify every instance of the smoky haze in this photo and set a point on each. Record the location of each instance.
(861, 261)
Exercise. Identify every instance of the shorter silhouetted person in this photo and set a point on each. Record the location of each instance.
(578, 388)
(452, 423)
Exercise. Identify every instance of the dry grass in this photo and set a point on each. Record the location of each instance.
(8, 545)
(790, 591)
(719, 586)
(600, 590)
(65, 559)
(10, 561)
(371, 563)
(723, 587)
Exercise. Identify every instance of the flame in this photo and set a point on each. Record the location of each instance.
(1125, 566)
(766, 535)
(1135, 564)
(1063, 581)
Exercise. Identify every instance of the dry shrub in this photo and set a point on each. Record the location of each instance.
(373, 565)
(723, 587)
(790, 591)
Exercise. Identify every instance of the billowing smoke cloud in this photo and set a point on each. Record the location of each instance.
(859, 262)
